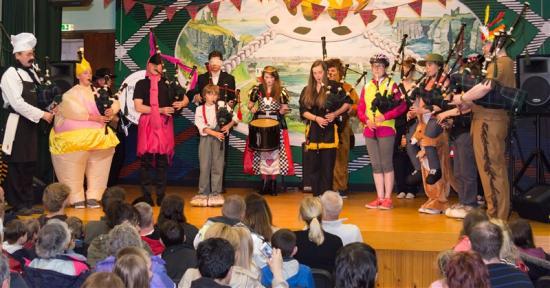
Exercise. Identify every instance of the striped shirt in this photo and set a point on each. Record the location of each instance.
(504, 275)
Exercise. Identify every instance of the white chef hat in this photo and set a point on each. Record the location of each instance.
(23, 42)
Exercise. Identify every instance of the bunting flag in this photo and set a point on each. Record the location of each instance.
(443, 2)
(237, 4)
(317, 10)
(391, 12)
(416, 6)
(106, 3)
(214, 8)
(170, 12)
(193, 10)
(294, 3)
(149, 8)
(366, 15)
(340, 14)
(128, 5)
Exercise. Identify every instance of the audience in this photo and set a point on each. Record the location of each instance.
(126, 235)
(296, 274)
(103, 280)
(259, 220)
(132, 268)
(316, 248)
(486, 239)
(233, 211)
(356, 266)
(101, 226)
(178, 255)
(508, 250)
(522, 235)
(442, 260)
(14, 277)
(77, 244)
(148, 232)
(215, 257)
(172, 208)
(471, 219)
(332, 207)
(15, 236)
(466, 270)
(33, 226)
(55, 199)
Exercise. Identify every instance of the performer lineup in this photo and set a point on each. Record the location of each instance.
(409, 118)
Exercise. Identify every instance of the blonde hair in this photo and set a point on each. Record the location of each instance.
(238, 237)
(508, 250)
(210, 89)
(311, 211)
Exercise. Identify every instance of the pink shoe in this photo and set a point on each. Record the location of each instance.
(386, 204)
(374, 204)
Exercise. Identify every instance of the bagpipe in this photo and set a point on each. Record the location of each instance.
(49, 95)
(385, 102)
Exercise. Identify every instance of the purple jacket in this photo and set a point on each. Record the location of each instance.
(160, 278)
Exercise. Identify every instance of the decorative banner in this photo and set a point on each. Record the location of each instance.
(170, 12)
(443, 2)
(214, 8)
(106, 3)
(416, 6)
(341, 14)
(128, 5)
(294, 3)
(149, 8)
(391, 12)
(237, 4)
(192, 10)
(365, 16)
(317, 10)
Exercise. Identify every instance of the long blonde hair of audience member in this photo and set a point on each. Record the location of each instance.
(240, 239)
(311, 211)
(508, 252)
(102, 280)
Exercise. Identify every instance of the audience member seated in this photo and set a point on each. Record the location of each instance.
(442, 260)
(296, 274)
(52, 264)
(233, 211)
(316, 248)
(215, 257)
(103, 280)
(522, 234)
(171, 208)
(508, 251)
(486, 239)
(356, 266)
(33, 226)
(55, 199)
(332, 207)
(15, 235)
(77, 245)
(244, 274)
(463, 270)
(8, 278)
(126, 235)
(178, 255)
(101, 226)
(258, 219)
(147, 230)
(133, 268)
(117, 213)
(471, 219)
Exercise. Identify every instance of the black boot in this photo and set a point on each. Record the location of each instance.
(265, 187)
(273, 189)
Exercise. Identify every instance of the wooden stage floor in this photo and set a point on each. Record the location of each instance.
(401, 228)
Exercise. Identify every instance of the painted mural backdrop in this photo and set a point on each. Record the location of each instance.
(286, 33)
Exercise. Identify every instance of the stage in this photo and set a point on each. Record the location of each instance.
(407, 242)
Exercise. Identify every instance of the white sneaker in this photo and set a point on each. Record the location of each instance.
(410, 195)
(401, 195)
(431, 211)
(458, 212)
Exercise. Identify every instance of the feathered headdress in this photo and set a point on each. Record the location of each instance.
(488, 29)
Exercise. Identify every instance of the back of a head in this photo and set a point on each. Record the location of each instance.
(111, 194)
(171, 208)
(4, 271)
(473, 218)
(258, 215)
(145, 213)
(466, 270)
(332, 204)
(285, 240)
(122, 236)
(53, 239)
(311, 211)
(75, 225)
(508, 251)
(522, 234)
(133, 271)
(119, 212)
(171, 233)
(55, 196)
(234, 207)
(103, 280)
(486, 239)
(215, 256)
(14, 230)
(356, 266)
